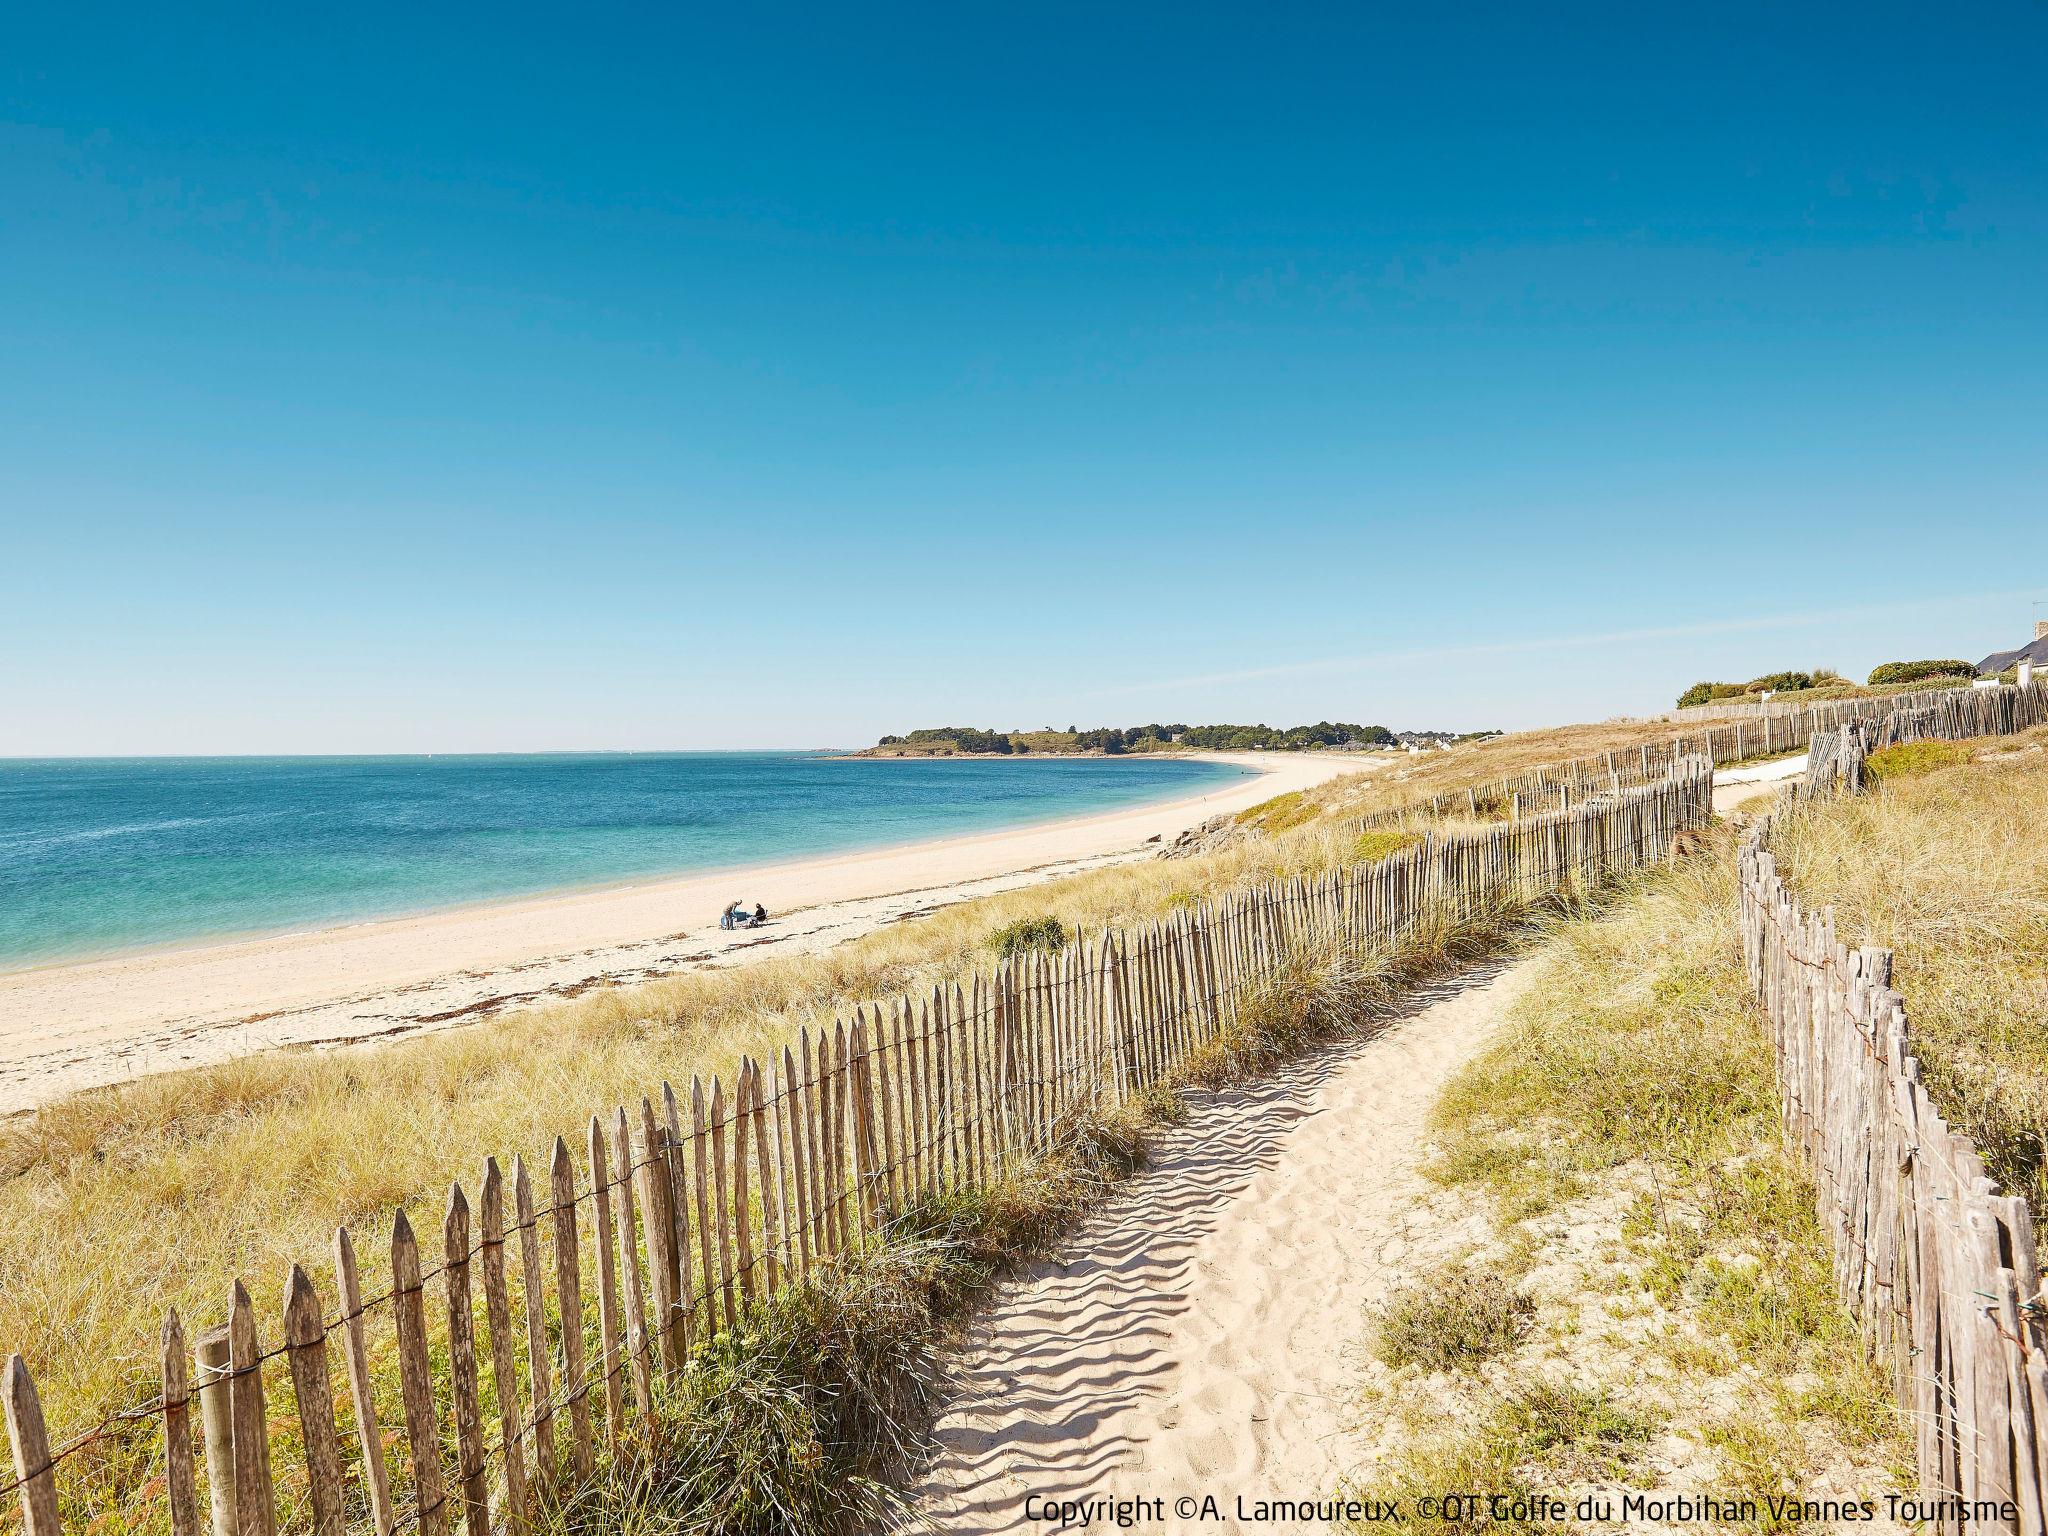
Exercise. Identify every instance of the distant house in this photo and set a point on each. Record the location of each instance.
(2035, 651)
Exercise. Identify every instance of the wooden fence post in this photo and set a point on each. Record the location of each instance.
(504, 1366)
(639, 1354)
(536, 1331)
(178, 1473)
(376, 1477)
(609, 1344)
(217, 1421)
(422, 1431)
(31, 1441)
(305, 1337)
(255, 1504)
(569, 1305)
(657, 1200)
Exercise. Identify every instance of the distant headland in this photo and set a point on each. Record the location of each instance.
(1113, 741)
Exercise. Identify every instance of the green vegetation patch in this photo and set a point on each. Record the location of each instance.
(1154, 737)
(1918, 671)
(1280, 813)
(1537, 1439)
(1909, 759)
(1371, 847)
(1770, 682)
(1027, 935)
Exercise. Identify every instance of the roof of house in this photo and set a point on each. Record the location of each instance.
(2035, 650)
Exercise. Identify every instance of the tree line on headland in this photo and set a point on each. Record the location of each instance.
(1157, 737)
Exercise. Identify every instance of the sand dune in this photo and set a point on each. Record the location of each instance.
(1201, 1338)
(63, 1028)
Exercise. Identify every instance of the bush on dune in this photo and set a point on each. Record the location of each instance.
(1043, 935)
(1917, 671)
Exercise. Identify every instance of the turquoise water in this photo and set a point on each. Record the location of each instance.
(103, 855)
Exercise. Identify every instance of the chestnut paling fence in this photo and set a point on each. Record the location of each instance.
(1834, 758)
(1553, 786)
(1936, 1263)
(526, 1344)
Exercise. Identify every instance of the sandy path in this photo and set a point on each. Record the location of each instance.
(1732, 786)
(64, 1028)
(1200, 1340)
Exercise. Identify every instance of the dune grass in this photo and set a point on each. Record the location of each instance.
(1945, 862)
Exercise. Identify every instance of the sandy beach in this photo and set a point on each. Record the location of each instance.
(65, 1028)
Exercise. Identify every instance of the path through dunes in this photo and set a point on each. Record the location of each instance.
(1201, 1339)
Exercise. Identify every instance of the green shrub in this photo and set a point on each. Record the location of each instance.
(1914, 671)
(1780, 682)
(1912, 758)
(1046, 935)
(1708, 693)
(1774, 682)
(1450, 1320)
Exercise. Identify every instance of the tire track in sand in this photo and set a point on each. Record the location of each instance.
(1199, 1336)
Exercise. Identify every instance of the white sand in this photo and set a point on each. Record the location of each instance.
(1202, 1337)
(64, 1028)
(1732, 786)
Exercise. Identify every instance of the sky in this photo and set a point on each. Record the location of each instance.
(529, 378)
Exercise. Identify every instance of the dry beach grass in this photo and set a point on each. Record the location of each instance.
(1945, 863)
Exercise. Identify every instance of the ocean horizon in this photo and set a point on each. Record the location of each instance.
(106, 856)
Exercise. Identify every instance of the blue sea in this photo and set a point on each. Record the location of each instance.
(103, 855)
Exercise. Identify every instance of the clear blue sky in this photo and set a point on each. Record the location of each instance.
(393, 378)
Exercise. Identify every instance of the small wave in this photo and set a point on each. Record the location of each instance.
(32, 840)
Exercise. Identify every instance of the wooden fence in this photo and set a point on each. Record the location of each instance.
(1562, 785)
(1936, 1263)
(562, 1293)
(1834, 758)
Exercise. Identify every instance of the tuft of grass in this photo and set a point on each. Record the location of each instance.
(1044, 934)
(1638, 1043)
(1316, 994)
(1454, 1319)
(1911, 758)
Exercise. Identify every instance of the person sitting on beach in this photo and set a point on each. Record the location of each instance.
(760, 914)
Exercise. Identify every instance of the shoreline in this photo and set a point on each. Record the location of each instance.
(83, 1024)
(597, 887)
